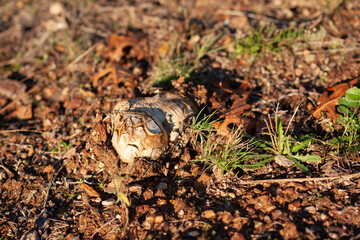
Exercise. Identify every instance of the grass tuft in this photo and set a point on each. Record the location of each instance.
(284, 146)
(229, 152)
(267, 39)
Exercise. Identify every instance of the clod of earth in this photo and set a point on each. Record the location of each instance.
(146, 127)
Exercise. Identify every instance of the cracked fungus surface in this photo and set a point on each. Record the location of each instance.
(145, 127)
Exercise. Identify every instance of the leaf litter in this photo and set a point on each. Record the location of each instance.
(57, 164)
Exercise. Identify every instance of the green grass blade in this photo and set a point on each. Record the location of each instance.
(299, 164)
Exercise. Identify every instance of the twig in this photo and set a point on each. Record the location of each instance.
(53, 177)
(339, 177)
(313, 22)
(81, 56)
(104, 225)
(18, 130)
(292, 118)
(250, 15)
(345, 49)
(8, 171)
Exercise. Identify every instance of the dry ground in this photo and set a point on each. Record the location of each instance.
(64, 65)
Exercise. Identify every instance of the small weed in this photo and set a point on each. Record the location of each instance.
(282, 144)
(82, 121)
(267, 39)
(316, 195)
(61, 148)
(119, 189)
(59, 236)
(349, 119)
(80, 180)
(72, 195)
(227, 152)
(101, 185)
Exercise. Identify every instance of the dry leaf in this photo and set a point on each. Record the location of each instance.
(70, 153)
(231, 115)
(49, 169)
(21, 112)
(73, 103)
(329, 107)
(12, 89)
(116, 46)
(114, 76)
(89, 190)
(100, 129)
(329, 103)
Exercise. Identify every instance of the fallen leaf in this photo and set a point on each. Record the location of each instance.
(49, 169)
(114, 76)
(100, 129)
(89, 190)
(73, 102)
(117, 44)
(70, 153)
(11, 89)
(329, 103)
(23, 112)
(231, 115)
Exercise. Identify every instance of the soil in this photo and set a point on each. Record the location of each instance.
(65, 64)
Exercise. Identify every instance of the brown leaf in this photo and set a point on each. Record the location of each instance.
(73, 103)
(329, 103)
(231, 115)
(12, 89)
(222, 127)
(70, 153)
(329, 107)
(49, 169)
(101, 130)
(116, 46)
(115, 76)
(237, 108)
(21, 112)
(89, 190)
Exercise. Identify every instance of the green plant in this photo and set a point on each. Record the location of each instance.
(267, 39)
(72, 195)
(282, 144)
(119, 187)
(228, 152)
(62, 147)
(349, 119)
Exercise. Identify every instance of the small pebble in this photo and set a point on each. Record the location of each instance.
(298, 72)
(162, 186)
(193, 233)
(208, 214)
(108, 202)
(310, 209)
(181, 212)
(135, 188)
